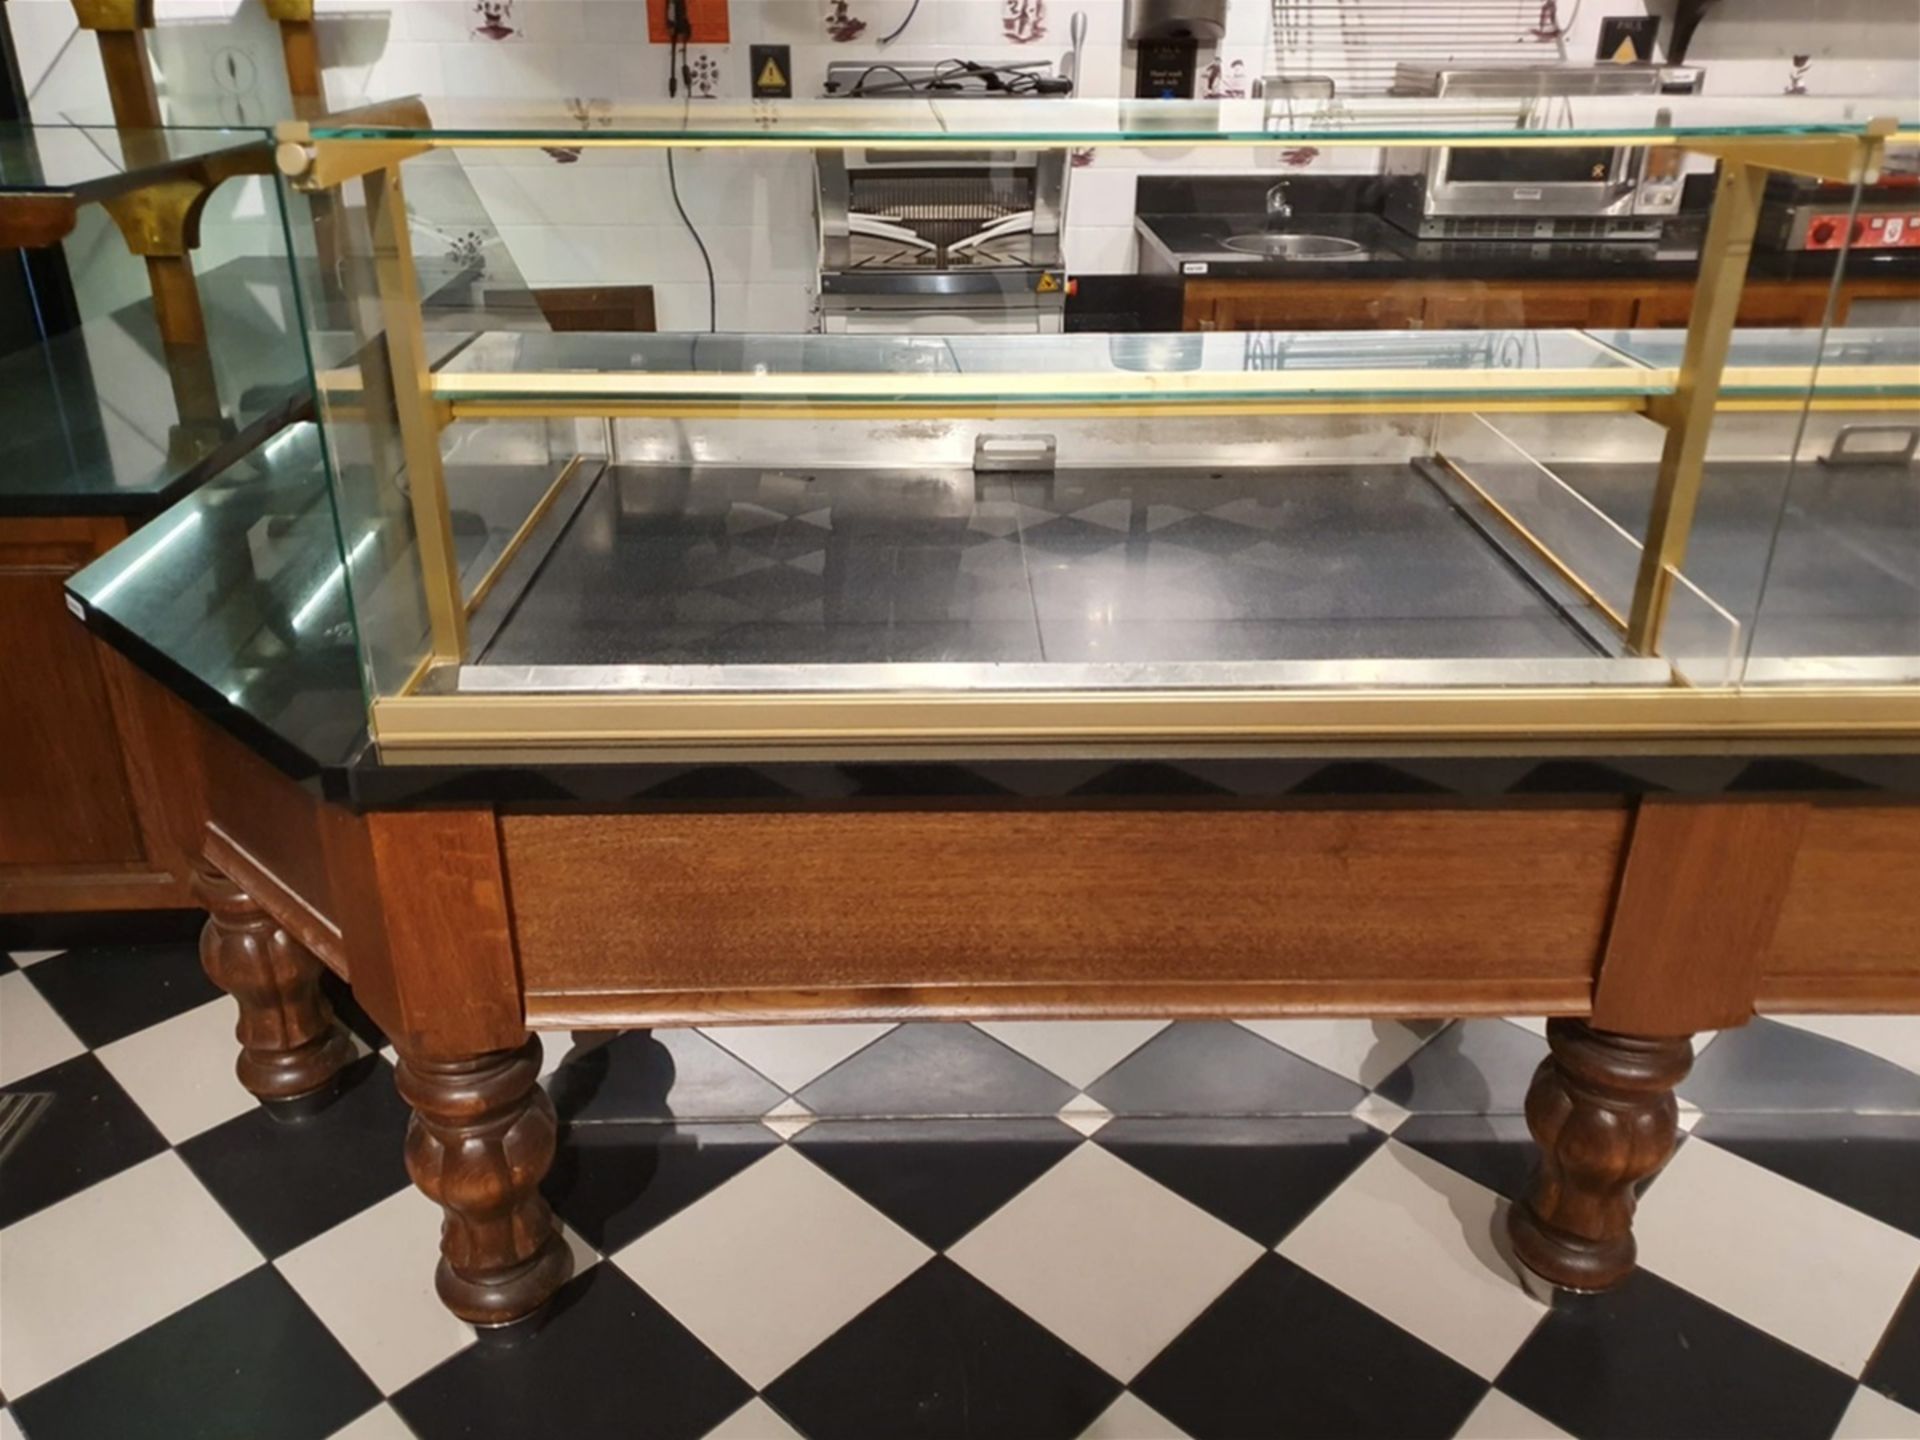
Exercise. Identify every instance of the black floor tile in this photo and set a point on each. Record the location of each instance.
(1284, 1356)
(1496, 1150)
(1650, 1359)
(249, 1360)
(1262, 1175)
(608, 1361)
(937, 1179)
(941, 1357)
(1895, 1368)
(107, 992)
(1869, 1162)
(613, 1183)
(88, 1130)
(1221, 1069)
(933, 1069)
(1473, 1067)
(658, 1075)
(1768, 1066)
(286, 1181)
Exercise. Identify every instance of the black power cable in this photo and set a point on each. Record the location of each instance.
(679, 74)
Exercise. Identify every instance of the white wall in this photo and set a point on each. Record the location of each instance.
(607, 216)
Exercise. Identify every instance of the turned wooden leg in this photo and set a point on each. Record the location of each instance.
(481, 1139)
(290, 1044)
(1601, 1106)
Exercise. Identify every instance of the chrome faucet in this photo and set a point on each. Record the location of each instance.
(1279, 203)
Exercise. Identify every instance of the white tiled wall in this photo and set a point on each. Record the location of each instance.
(608, 217)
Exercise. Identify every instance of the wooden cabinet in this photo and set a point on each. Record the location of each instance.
(1510, 305)
(83, 820)
(1776, 304)
(1318, 305)
(1504, 304)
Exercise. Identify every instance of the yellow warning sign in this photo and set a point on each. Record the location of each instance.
(770, 77)
(1626, 54)
(1047, 283)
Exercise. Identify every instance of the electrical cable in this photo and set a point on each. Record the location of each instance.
(679, 34)
(900, 29)
(713, 294)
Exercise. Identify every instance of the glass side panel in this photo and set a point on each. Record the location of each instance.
(240, 586)
(463, 280)
(110, 416)
(59, 157)
(876, 118)
(1167, 369)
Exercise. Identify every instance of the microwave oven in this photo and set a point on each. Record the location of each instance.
(1535, 192)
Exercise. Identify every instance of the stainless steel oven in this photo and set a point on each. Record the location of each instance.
(1528, 192)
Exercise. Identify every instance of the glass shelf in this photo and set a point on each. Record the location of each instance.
(96, 161)
(579, 373)
(1051, 121)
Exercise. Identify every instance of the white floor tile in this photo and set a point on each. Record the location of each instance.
(754, 1420)
(382, 1422)
(1381, 1113)
(85, 1274)
(1365, 1051)
(1112, 1262)
(788, 1118)
(1131, 1418)
(180, 1072)
(1804, 1268)
(1085, 1114)
(1872, 1416)
(33, 957)
(370, 1280)
(9, 1429)
(771, 1263)
(1892, 1037)
(1536, 1023)
(1500, 1418)
(32, 1034)
(1421, 1244)
(793, 1055)
(1078, 1051)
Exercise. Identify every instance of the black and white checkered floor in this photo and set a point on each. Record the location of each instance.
(1122, 1230)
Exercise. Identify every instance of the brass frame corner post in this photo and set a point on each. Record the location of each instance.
(416, 413)
(1688, 415)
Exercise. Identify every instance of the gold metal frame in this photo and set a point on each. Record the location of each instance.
(1684, 402)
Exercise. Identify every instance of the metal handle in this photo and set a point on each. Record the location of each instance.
(1845, 453)
(1013, 454)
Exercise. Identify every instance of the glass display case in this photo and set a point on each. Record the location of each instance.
(1540, 530)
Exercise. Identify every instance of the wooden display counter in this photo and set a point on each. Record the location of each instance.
(1636, 919)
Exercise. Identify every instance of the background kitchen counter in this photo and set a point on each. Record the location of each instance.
(1397, 281)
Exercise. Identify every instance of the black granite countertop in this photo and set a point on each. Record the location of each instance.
(1189, 241)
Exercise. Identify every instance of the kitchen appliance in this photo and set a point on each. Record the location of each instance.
(1805, 214)
(1176, 19)
(942, 241)
(1521, 192)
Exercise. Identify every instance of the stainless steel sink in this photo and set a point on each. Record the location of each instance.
(1288, 246)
